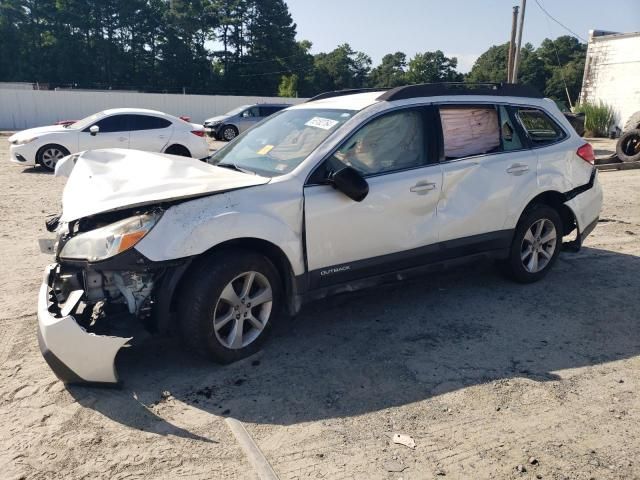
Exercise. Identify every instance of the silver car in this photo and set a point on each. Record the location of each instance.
(231, 124)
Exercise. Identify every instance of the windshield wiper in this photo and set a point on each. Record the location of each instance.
(235, 167)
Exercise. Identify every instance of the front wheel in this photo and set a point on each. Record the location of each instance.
(49, 155)
(229, 132)
(536, 244)
(229, 305)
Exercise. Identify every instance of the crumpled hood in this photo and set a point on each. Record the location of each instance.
(34, 132)
(114, 179)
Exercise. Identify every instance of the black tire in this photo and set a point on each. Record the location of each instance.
(633, 123)
(628, 146)
(228, 133)
(179, 150)
(200, 300)
(44, 159)
(514, 266)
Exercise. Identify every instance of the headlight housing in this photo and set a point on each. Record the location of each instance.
(110, 240)
(22, 141)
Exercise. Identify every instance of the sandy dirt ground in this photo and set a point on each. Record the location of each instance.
(482, 373)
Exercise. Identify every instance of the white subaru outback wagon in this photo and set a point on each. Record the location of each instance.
(427, 175)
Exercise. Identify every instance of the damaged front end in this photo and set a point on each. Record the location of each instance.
(100, 292)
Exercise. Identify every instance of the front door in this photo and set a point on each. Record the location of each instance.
(389, 229)
(249, 118)
(113, 133)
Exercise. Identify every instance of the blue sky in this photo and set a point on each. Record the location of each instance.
(461, 28)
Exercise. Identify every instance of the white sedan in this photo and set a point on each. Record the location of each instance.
(133, 128)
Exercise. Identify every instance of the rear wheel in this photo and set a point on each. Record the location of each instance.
(178, 150)
(536, 244)
(49, 155)
(229, 304)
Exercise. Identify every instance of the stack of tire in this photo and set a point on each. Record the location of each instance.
(628, 146)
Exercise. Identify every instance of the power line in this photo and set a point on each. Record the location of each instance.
(559, 22)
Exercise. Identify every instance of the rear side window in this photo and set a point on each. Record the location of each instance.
(147, 122)
(469, 130)
(266, 111)
(540, 128)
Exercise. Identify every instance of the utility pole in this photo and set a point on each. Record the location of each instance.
(516, 57)
(512, 43)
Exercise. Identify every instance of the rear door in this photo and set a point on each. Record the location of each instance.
(391, 227)
(114, 133)
(150, 133)
(487, 169)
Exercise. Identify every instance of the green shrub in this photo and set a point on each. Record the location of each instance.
(598, 119)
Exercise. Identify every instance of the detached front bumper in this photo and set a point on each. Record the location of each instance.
(74, 355)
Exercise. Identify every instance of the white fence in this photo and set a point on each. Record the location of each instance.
(20, 109)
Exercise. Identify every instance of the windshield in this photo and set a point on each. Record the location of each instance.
(236, 111)
(87, 121)
(281, 142)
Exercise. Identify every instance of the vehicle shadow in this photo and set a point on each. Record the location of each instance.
(398, 344)
(37, 169)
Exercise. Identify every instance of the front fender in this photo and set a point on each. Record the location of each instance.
(193, 227)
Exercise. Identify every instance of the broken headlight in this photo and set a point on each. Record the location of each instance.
(107, 241)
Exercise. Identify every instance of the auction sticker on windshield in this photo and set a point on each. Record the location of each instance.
(323, 123)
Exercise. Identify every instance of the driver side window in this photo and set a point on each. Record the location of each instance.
(392, 142)
(250, 113)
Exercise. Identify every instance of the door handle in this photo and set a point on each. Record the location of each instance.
(162, 136)
(123, 139)
(518, 169)
(423, 187)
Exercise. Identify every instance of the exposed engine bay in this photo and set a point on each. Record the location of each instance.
(104, 296)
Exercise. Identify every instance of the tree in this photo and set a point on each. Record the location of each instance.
(548, 67)
(391, 71)
(288, 86)
(491, 66)
(563, 60)
(431, 67)
(341, 68)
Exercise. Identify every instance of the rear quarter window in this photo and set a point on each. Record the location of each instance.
(540, 127)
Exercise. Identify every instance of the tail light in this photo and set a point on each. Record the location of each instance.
(585, 152)
(200, 133)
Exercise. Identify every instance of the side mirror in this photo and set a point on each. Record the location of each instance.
(349, 181)
(94, 129)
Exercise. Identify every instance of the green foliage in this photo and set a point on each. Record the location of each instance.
(539, 67)
(230, 46)
(491, 66)
(431, 67)
(598, 119)
(288, 86)
(391, 71)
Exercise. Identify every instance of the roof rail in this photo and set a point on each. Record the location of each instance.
(348, 91)
(460, 88)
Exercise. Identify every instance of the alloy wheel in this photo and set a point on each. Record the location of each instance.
(229, 133)
(243, 310)
(51, 156)
(538, 245)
